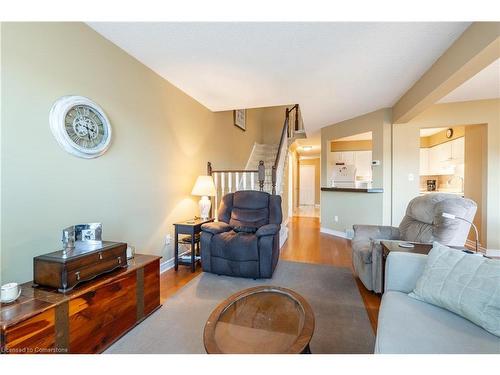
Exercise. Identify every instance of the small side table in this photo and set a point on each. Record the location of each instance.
(193, 229)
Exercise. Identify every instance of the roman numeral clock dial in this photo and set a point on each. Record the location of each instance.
(80, 126)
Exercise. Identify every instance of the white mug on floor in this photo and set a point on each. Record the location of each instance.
(10, 292)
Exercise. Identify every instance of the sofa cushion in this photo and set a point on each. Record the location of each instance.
(235, 246)
(216, 227)
(268, 230)
(228, 267)
(249, 209)
(251, 199)
(410, 326)
(466, 284)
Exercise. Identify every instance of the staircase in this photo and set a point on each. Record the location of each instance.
(265, 169)
(266, 153)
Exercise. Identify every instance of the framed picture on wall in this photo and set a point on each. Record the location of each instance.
(240, 118)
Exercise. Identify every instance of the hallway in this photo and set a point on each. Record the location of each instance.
(307, 211)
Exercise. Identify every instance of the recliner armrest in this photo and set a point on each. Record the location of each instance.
(267, 230)
(216, 227)
(375, 232)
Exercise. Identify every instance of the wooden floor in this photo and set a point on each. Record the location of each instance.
(305, 244)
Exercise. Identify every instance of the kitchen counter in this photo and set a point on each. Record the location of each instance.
(424, 192)
(354, 190)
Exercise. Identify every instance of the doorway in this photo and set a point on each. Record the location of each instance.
(307, 185)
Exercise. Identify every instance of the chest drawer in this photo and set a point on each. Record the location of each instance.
(65, 272)
(90, 271)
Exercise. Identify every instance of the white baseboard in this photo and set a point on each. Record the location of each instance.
(283, 235)
(334, 232)
(170, 263)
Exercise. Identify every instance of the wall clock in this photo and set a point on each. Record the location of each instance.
(80, 126)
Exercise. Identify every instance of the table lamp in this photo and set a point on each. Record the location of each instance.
(204, 187)
(451, 216)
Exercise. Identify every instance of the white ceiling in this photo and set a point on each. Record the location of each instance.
(335, 71)
(484, 85)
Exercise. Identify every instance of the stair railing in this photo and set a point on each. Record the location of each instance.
(292, 115)
(231, 180)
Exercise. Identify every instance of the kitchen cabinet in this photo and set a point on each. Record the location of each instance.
(442, 159)
(424, 162)
(346, 157)
(458, 149)
(361, 159)
(363, 163)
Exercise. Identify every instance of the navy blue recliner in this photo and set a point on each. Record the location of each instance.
(245, 240)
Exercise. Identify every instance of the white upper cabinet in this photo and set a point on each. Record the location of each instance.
(442, 159)
(346, 157)
(361, 159)
(458, 149)
(364, 164)
(424, 161)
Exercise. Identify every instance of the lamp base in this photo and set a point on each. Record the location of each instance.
(204, 205)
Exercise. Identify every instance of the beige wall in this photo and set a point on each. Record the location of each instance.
(350, 146)
(406, 155)
(162, 139)
(317, 176)
(370, 208)
(440, 137)
(475, 175)
(273, 120)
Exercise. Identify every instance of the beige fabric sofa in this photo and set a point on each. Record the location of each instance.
(410, 326)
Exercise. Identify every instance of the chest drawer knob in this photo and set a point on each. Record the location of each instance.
(119, 260)
(77, 274)
(100, 256)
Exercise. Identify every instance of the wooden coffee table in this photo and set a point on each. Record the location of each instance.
(260, 320)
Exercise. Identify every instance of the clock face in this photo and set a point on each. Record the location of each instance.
(80, 126)
(85, 127)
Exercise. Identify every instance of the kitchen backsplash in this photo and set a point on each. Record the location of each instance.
(452, 183)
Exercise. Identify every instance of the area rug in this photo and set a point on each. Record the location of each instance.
(342, 324)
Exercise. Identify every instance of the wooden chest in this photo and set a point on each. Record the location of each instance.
(87, 319)
(87, 261)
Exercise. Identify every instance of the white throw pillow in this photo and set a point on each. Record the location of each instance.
(466, 284)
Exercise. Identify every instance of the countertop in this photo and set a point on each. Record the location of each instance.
(423, 192)
(354, 190)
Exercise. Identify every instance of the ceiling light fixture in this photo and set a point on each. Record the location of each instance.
(307, 148)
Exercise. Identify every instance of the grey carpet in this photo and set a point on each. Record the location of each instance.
(342, 324)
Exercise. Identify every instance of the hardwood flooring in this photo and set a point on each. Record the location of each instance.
(305, 244)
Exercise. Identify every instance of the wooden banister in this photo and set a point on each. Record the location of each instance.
(286, 133)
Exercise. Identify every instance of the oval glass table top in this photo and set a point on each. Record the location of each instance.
(263, 319)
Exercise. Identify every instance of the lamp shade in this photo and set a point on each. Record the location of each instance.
(204, 186)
